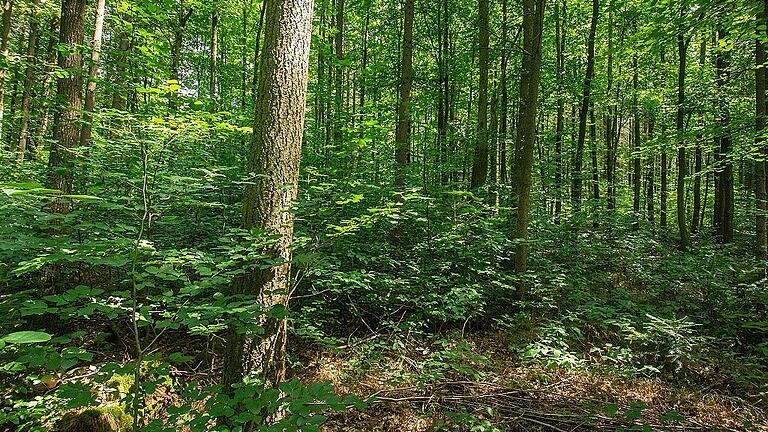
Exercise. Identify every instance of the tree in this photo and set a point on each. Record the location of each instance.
(480, 163)
(66, 123)
(29, 79)
(761, 238)
(90, 89)
(5, 30)
(402, 132)
(578, 161)
(273, 163)
(560, 63)
(533, 18)
(682, 51)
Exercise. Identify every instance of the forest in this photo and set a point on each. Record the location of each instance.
(383, 215)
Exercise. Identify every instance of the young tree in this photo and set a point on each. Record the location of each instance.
(90, 89)
(402, 131)
(533, 17)
(29, 80)
(480, 163)
(761, 240)
(576, 180)
(5, 30)
(682, 51)
(273, 163)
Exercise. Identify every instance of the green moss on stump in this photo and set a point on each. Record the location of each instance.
(98, 419)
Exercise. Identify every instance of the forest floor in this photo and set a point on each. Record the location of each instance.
(483, 386)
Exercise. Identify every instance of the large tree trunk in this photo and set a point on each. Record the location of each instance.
(480, 162)
(533, 17)
(268, 198)
(66, 122)
(90, 90)
(402, 131)
(682, 52)
(761, 240)
(576, 180)
(5, 30)
(29, 80)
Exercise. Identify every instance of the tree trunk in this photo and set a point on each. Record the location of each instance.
(560, 64)
(66, 122)
(724, 207)
(682, 51)
(695, 218)
(5, 30)
(274, 158)
(29, 80)
(504, 97)
(338, 77)
(118, 97)
(533, 17)
(42, 131)
(402, 131)
(761, 240)
(178, 39)
(576, 179)
(636, 156)
(651, 178)
(90, 90)
(480, 162)
(214, 56)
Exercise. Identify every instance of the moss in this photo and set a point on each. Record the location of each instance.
(109, 418)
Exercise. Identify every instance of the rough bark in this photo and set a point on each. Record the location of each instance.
(66, 122)
(273, 162)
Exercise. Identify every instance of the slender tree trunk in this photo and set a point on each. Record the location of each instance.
(593, 146)
(636, 156)
(214, 56)
(118, 97)
(609, 120)
(682, 50)
(576, 186)
(42, 131)
(66, 123)
(724, 205)
(29, 80)
(504, 96)
(480, 163)
(695, 218)
(651, 177)
(5, 30)
(761, 243)
(533, 18)
(268, 198)
(90, 90)
(184, 14)
(364, 59)
(338, 74)
(402, 131)
(560, 63)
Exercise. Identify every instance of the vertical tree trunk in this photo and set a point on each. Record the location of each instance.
(761, 240)
(593, 146)
(650, 177)
(90, 90)
(267, 201)
(42, 131)
(118, 97)
(504, 96)
(533, 17)
(338, 74)
(576, 180)
(178, 39)
(609, 120)
(29, 79)
(724, 204)
(636, 156)
(66, 122)
(480, 162)
(364, 58)
(560, 63)
(5, 30)
(214, 56)
(682, 51)
(402, 131)
(695, 218)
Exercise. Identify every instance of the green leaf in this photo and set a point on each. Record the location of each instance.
(27, 337)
